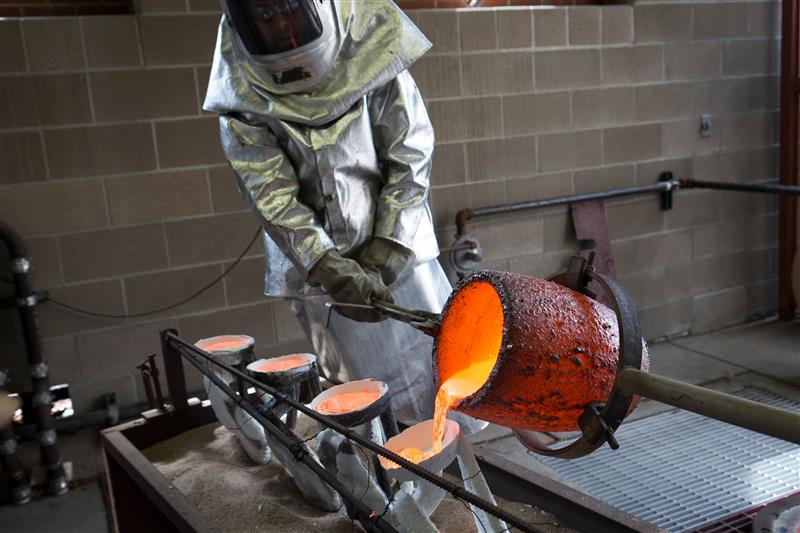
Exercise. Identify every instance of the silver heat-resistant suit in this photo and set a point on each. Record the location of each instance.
(331, 167)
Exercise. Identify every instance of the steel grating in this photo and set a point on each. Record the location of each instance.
(680, 470)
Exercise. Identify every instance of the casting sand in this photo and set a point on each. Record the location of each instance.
(209, 466)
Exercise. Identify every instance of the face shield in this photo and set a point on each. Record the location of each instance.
(295, 40)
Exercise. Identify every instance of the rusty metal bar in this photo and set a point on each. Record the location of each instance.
(787, 217)
(772, 421)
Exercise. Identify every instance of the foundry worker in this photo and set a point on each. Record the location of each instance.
(331, 144)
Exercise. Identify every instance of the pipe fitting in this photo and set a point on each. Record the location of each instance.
(42, 398)
(39, 370)
(28, 301)
(8, 447)
(47, 438)
(20, 265)
(462, 217)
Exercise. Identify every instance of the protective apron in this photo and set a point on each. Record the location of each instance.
(332, 166)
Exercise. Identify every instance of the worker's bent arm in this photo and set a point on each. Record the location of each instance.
(268, 181)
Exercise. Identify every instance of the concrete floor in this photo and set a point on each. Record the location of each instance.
(765, 354)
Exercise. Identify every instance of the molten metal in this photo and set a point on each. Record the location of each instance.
(280, 364)
(546, 351)
(347, 402)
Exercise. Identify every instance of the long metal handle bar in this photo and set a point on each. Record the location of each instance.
(665, 186)
(455, 490)
(772, 421)
(363, 513)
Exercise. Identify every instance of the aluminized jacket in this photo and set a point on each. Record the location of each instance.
(339, 164)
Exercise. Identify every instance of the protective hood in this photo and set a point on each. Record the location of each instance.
(373, 43)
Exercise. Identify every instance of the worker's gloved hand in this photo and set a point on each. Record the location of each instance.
(386, 259)
(345, 281)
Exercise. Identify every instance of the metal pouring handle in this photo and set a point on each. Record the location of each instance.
(424, 321)
(772, 421)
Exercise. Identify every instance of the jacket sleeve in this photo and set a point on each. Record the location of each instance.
(403, 137)
(268, 181)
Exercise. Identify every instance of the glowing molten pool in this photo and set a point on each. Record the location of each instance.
(347, 402)
(281, 364)
(220, 346)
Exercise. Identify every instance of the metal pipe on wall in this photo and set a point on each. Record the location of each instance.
(42, 399)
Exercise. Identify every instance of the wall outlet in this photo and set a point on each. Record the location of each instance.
(705, 125)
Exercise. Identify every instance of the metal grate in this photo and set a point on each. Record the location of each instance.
(680, 470)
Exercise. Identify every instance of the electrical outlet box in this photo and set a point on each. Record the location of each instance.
(705, 125)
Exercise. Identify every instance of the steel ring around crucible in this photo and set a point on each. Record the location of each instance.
(599, 421)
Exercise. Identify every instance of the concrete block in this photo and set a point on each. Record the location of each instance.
(617, 24)
(254, 320)
(99, 150)
(635, 64)
(683, 138)
(53, 207)
(503, 238)
(584, 25)
(727, 236)
(541, 186)
(438, 76)
(29, 101)
(562, 151)
(211, 6)
(631, 143)
(149, 7)
(515, 29)
(693, 208)
(111, 41)
(567, 69)
(762, 231)
(664, 102)
(23, 157)
(749, 57)
(762, 299)
(746, 131)
(169, 40)
(764, 19)
(501, 158)
(668, 319)
(441, 27)
(737, 95)
(692, 60)
(53, 43)
(449, 166)
(225, 197)
(638, 217)
(99, 297)
(744, 165)
(104, 253)
(45, 262)
(469, 118)
(559, 233)
(13, 57)
(180, 194)
(535, 113)
(602, 107)
(550, 27)
(485, 193)
(447, 201)
(692, 278)
(653, 251)
(601, 179)
(542, 264)
(662, 23)
(202, 75)
(477, 30)
(86, 394)
(147, 292)
(245, 283)
(499, 73)
(189, 142)
(117, 351)
(62, 359)
(645, 288)
(720, 20)
(650, 172)
(213, 238)
(124, 95)
(719, 309)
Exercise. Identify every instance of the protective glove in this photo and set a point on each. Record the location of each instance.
(387, 259)
(345, 281)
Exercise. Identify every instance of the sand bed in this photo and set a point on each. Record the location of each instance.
(209, 466)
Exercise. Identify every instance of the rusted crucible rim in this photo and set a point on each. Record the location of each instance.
(555, 350)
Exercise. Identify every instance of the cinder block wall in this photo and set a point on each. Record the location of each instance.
(114, 176)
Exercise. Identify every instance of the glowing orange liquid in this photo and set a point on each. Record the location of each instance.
(279, 365)
(453, 390)
(347, 402)
(224, 345)
(415, 455)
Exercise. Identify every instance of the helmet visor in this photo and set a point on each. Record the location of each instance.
(275, 26)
